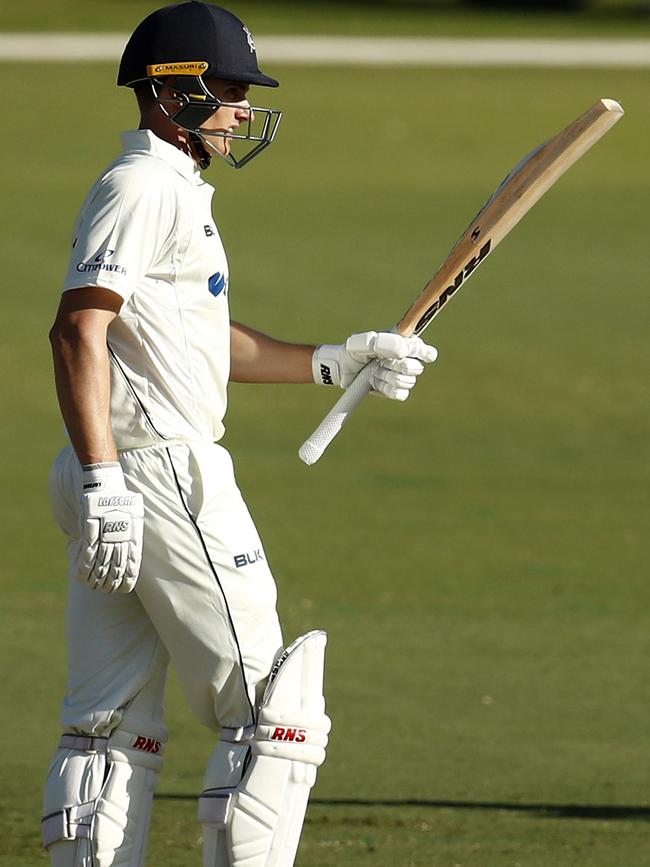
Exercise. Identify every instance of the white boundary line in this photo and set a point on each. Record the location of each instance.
(358, 51)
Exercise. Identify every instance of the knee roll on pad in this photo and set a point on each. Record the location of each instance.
(257, 822)
(98, 796)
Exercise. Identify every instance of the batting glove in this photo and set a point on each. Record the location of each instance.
(401, 361)
(109, 550)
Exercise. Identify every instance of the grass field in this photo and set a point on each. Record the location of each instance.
(445, 18)
(479, 555)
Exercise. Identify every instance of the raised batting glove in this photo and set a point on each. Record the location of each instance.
(400, 359)
(109, 550)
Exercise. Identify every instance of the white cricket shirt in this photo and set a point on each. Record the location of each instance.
(146, 232)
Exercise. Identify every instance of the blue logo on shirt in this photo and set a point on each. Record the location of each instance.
(217, 283)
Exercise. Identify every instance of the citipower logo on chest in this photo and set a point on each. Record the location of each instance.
(99, 263)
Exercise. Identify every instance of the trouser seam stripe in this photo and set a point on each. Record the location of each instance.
(218, 582)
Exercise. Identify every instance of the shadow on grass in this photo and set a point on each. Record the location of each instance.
(549, 811)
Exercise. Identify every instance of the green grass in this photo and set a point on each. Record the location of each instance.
(445, 18)
(479, 555)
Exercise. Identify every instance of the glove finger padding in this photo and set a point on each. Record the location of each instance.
(396, 386)
(411, 366)
(119, 563)
(109, 552)
(388, 345)
(100, 570)
(85, 556)
(111, 571)
(370, 344)
(417, 348)
(133, 557)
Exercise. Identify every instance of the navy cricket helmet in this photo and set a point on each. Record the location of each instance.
(186, 43)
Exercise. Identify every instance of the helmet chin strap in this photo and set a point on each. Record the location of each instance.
(199, 151)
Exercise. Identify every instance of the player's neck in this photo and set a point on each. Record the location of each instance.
(164, 129)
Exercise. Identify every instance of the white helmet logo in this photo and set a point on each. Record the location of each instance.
(249, 39)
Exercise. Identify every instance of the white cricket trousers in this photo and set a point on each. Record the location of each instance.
(205, 596)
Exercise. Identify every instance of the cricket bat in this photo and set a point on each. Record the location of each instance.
(514, 196)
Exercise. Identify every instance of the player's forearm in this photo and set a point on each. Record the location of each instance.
(256, 357)
(82, 374)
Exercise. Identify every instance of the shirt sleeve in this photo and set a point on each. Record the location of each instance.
(124, 229)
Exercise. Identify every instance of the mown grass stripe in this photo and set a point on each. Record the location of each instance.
(360, 51)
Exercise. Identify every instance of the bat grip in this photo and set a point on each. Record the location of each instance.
(314, 446)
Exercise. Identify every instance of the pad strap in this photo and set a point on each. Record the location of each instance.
(214, 806)
(237, 736)
(68, 824)
(83, 743)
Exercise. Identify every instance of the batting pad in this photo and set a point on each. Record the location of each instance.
(258, 822)
(98, 797)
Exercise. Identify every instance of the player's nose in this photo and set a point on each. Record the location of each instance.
(244, 111)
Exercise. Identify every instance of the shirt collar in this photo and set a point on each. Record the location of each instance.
(145, 140)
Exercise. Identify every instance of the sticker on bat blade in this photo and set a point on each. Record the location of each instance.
(446, 294)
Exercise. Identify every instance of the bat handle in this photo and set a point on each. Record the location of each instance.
(314, 446)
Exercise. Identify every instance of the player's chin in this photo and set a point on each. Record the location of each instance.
(218, 141)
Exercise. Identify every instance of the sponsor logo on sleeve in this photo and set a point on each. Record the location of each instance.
(217, 284)
(100, 263)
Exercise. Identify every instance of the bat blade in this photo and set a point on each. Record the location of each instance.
(520, 190)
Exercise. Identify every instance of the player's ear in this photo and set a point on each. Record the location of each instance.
(144, 96)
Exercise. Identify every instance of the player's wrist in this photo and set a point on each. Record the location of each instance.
(105, 477)
(325, 364)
